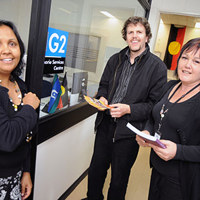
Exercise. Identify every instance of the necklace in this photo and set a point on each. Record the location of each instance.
(19, 96)
(15, 106)
(163, 111)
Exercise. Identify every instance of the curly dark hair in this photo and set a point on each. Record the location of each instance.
(18, 70)
(191, 45)
(135, 20)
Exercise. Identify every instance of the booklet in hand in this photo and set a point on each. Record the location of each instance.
(96, 103)
(147, 138)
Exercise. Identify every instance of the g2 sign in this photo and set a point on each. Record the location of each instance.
(56, 43)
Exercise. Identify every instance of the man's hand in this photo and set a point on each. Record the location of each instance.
(104, 100)
(119, 110)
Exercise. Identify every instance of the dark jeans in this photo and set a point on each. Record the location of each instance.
(164, 187)
(120, 154)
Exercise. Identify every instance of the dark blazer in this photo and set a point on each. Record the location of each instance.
(143, 91)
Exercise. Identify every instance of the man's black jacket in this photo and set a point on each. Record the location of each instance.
(143, 91)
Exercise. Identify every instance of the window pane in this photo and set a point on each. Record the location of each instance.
(94, 34)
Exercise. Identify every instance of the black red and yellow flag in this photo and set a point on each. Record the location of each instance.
(175, 42)
(64, 95)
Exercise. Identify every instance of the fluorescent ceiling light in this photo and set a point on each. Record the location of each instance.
(64, 10)
(197, 25)
(107, 14)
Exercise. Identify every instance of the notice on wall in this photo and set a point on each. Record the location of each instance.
(55, 51)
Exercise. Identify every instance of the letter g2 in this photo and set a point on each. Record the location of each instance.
(56, 44)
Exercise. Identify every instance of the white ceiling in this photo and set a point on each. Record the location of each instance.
(179, 20)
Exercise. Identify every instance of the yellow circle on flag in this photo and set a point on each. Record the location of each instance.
(174, 47)
(63, 90)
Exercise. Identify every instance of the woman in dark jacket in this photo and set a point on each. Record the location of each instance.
(17, 117)
(175, 120)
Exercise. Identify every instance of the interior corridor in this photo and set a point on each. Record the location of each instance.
(138, 181)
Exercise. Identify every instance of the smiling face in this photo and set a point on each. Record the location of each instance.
(136, 38)
(9, 50)
(189, 67)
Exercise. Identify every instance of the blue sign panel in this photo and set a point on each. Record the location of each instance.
(56, 43)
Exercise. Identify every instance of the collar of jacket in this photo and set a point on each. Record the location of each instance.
(123, 53)
(122, 57)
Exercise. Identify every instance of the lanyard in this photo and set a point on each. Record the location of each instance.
(163, 111)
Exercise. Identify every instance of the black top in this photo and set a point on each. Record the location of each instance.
(14, 126)
(186, 130)
(174, 118)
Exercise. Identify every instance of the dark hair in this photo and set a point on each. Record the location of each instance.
(18, 70)
(135, 20)
(191, 45)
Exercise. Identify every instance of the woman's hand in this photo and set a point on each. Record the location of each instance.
(26, 185)
(119, 110)
(168, 153)
(31, 99)
(141, 141)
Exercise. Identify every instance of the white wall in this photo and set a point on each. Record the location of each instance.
(62, 159)
(182, 7)
(162, 39)
(191, 33)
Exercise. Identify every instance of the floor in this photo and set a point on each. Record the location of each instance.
(138, 181)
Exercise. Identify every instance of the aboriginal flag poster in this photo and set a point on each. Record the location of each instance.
(175, 42)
